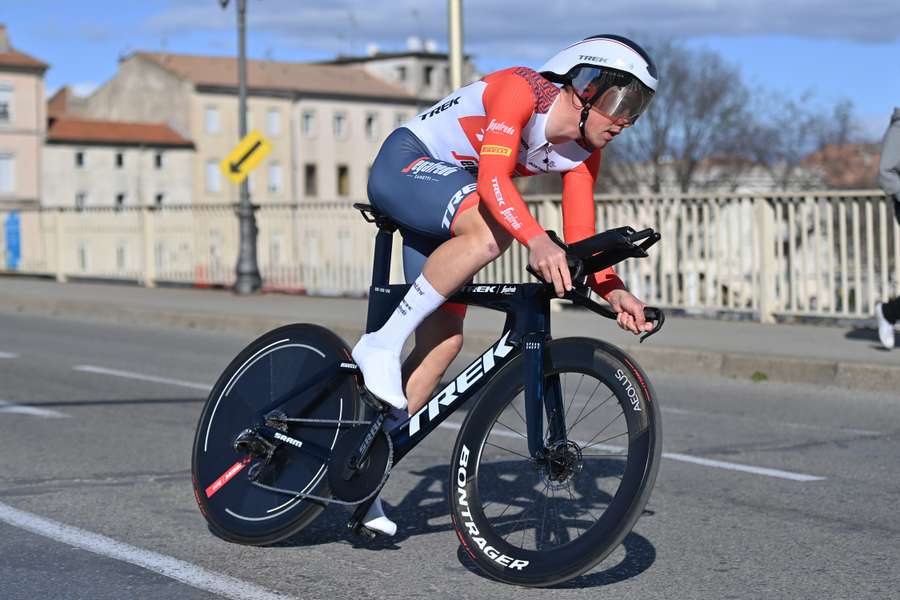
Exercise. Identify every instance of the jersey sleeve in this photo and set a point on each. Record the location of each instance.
(509, 104)
(579, 217)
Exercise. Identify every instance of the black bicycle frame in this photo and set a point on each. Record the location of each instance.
(527, 329)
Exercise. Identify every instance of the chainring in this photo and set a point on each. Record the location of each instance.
(370, 475)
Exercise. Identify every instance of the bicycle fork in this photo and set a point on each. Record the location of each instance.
(543, 395)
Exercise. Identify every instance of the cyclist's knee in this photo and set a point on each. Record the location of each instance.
(454, 344)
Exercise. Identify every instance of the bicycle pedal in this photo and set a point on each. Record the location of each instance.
(360, 530)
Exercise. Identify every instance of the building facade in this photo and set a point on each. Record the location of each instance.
(325, 123)
(91, 163)
(22, 125)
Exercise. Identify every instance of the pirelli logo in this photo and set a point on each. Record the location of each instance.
(496, 150)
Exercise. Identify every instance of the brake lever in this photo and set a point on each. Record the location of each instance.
(651, 313)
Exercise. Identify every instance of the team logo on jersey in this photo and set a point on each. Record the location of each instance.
(422, 168)
(495, 150)
(501, 127)
(440, 108)
(473, 127)
(469, 163)
(453, 205)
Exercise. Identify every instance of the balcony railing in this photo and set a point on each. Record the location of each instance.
(805, 254)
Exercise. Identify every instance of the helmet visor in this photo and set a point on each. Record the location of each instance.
(613, 93)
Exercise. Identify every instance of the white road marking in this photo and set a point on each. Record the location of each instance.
(706, 462)
(187, 573)
(141, 377)
(12, 407)
(721, 464)
(8, 355)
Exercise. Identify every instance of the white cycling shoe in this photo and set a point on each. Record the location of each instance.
(381, 372)
(885, 329)
(376, 520)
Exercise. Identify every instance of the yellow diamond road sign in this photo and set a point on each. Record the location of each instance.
(245, 156)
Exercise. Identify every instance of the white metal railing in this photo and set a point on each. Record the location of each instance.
(806, 253)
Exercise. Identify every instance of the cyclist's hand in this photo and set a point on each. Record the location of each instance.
(549, 260)
(631, 311)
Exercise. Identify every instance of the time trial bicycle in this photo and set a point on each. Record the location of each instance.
(552, 465)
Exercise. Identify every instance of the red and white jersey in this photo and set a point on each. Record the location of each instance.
(496, 129)
(453, 130)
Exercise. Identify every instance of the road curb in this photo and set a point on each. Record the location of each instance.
(784, 369)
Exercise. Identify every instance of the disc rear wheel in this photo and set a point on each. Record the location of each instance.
(226, 481)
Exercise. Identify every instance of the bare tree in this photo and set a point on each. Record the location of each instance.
(700, 111)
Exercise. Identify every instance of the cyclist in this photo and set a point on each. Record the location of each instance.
(446, 177)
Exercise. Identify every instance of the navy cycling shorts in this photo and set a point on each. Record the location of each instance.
(419, 192)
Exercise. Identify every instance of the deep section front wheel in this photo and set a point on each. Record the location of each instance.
(242, 496)
(537, 520)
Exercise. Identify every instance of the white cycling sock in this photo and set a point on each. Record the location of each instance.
(377, 521)
(378, 353)
(420, 301)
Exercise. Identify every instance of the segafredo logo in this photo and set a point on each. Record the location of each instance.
(469, 524)
(423, 165)
(463, 382)
(500, 126)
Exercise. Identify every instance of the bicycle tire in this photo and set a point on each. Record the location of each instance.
(479, 485)
(236, 510)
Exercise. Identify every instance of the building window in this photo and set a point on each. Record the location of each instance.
(275, 183)
(80, 200)
(429, 75)
(372, 127)
(308, 123)
(310, 183)
(340, 125)
(121, 256)
(273, 121)
(6, 101)
(212, 119)
(343, 180)
(120, 200)
(120, 160)
(79, 159)
(7, 173)
(158, 160)
(83, 255)
(400, 119)
(401, 73)
(213, 183)
(159, 199)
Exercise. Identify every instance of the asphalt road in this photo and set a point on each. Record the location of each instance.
(766, 490)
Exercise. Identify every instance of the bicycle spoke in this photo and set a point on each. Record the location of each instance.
(618, 435)
(593, 410)
(513, 405)
(574, 395)
(507, 450)
(524, 437)
(588, 401)
(621, 414)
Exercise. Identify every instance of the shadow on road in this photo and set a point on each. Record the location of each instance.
(866, 334)
(424, 510)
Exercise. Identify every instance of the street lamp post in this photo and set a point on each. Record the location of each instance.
(248, 280)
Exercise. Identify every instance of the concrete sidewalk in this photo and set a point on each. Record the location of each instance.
(814, 354)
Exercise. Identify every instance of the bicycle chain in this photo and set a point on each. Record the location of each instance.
(296, 494)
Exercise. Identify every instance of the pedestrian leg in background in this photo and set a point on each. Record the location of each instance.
(887, 314)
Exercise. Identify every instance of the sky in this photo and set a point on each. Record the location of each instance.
(831, 48)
